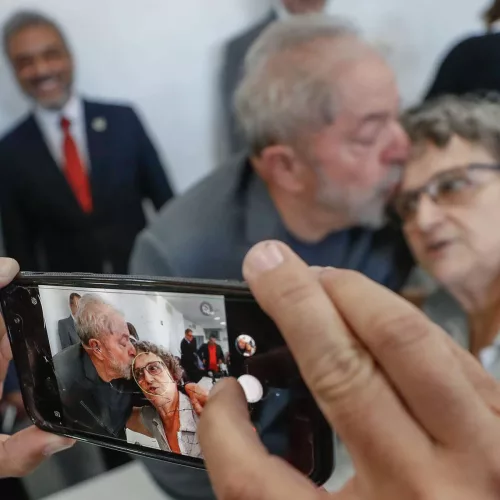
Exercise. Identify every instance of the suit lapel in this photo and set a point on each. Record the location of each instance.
(96, 126)
(40, 150)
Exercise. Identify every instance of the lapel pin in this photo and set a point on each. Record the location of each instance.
(99, 124)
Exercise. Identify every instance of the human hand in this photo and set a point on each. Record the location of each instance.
(419, 416)
(24, 451)
(198, 397)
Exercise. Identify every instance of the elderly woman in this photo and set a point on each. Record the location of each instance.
(171, 419)
(449, 205)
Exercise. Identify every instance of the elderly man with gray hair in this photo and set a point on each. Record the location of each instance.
(94, 376)
(320, 109)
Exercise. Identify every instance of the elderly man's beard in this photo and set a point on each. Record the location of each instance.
(362, 209)
(122, 371)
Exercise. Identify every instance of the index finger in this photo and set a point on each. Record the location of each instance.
(237, 462)
(341, 374)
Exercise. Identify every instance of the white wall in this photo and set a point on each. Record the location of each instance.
(163, 56)
(155, 319)
(416, 34)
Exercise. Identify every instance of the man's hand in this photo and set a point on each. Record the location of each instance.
(418, 414)
(198, 397)
(23, 452)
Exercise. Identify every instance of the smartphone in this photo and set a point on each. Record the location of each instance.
(127, 363)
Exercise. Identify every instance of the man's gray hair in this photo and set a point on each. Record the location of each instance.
(94, 317)
(286, 87)
(474, 118)
(28, 19)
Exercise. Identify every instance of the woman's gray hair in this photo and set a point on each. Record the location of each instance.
(28, 19)
(94, 317)
(474, 118)
(287, 84)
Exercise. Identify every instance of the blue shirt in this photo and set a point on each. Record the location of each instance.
(353, 249)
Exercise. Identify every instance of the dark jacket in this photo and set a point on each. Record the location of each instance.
(232, 71)
(204, 356)
(471, 66)
(45, 228)
(89, 403)
(67, 332)
(219, 220)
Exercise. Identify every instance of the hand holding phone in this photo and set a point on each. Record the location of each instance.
(24, 451)
(418, 414)
(128, 363)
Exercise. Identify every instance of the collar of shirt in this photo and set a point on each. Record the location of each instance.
(282, 13)
(49, 122)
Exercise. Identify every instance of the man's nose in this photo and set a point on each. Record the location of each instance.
(428, 214)
(131, 351)
(40, 68)
(398, 148)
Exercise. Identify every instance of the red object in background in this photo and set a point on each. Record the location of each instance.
(212, 358)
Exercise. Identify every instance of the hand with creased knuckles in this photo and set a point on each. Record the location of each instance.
(419, 415)
(24, 451)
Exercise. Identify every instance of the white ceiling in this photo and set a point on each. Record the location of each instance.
(189, 306)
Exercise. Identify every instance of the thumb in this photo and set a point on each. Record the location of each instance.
(21, 453)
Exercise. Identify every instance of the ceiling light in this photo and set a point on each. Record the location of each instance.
(223, 323)
(217, 318)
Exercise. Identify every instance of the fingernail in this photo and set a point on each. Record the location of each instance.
(264, 257)
(58, 446)
(8, 268)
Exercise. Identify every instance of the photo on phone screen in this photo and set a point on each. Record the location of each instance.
(129, 363)
(139, 350)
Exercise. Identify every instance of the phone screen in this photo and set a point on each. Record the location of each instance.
(134, 366)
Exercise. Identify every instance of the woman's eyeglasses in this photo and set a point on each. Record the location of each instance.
(155, 368)
(451, 187)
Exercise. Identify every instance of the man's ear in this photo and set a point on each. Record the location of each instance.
(280, 166)
(96, 347)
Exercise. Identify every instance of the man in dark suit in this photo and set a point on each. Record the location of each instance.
(74, 174)
(66, 326)
(189, 357)
(234, 56)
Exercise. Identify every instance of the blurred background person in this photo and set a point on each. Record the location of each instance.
(172, 420)
(189, 357)
(473, 65)
(211, 355)
(449, 205)
(323, 162)
(66, 327)
(234, 55)
(133, 331)
(74, 173)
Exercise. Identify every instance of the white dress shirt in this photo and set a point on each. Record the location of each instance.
(49, 122)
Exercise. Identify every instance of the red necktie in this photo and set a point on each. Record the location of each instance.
(75, 173)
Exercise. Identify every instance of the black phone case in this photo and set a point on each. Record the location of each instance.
(324, 454)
